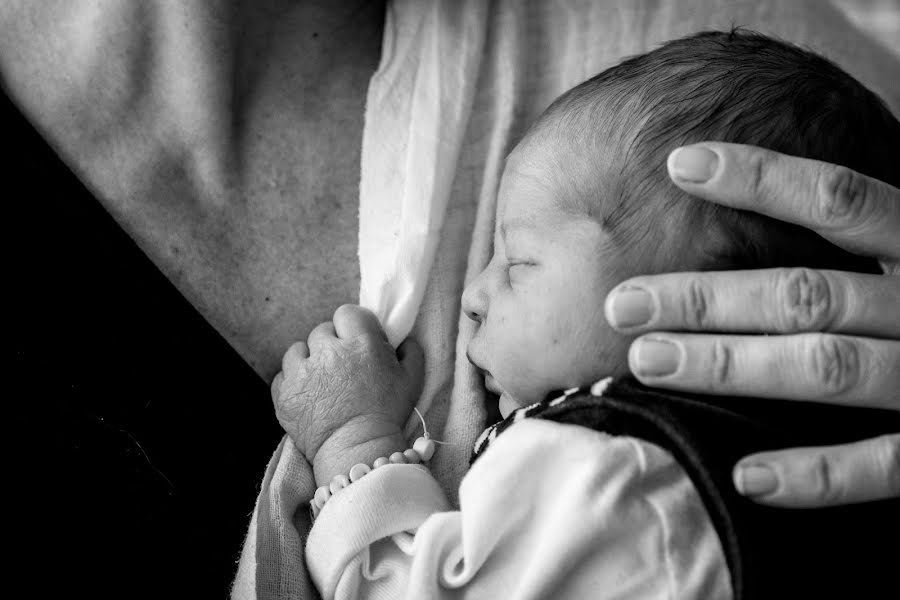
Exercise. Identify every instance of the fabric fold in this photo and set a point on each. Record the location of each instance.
(417, 108)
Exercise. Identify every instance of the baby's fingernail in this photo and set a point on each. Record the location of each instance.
(630, 307)
(755, 480)
(656, 358)
(693, 164)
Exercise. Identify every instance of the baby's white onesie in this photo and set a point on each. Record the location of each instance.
(548, 511)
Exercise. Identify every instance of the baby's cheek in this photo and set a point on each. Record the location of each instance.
(599, 352)
(534, 350)
(570, 339)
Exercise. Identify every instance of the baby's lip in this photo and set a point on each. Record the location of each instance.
(491, 384)
(475, 364)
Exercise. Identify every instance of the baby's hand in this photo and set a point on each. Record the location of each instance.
(347, 388)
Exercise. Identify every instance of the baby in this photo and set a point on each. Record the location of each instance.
(605, 489)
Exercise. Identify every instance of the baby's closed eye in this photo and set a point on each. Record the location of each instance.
(513, 264)
(518, 270)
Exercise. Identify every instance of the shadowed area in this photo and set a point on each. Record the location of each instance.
(140, 436)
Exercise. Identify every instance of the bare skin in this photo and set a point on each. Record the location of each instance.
(224, 136)
(233, 160)
(854, 323)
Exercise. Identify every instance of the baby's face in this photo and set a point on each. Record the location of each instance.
(539, 302)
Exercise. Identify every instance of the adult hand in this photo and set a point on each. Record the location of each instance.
(834, 336)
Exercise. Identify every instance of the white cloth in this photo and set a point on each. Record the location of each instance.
(520, 56)
(549, 511)
(417, 108)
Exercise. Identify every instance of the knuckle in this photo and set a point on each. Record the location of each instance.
(806, 300)
(757, 166)
(824, 487)
(842, 196)
(696, 303)
(365, 344)
(834, 364)
(888, 456)
(722, 359)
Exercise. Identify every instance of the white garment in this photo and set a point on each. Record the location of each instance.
(548, 511)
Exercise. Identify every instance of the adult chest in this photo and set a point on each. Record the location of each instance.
(223, 137)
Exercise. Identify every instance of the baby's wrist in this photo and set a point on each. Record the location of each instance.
(354, 443)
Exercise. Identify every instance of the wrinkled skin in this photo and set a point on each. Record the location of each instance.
(346, 387)
(843, 348)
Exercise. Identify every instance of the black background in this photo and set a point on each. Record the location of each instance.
(139, 437)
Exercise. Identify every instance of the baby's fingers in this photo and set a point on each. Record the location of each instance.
(320, 336)
(352, 321)
(276, 387)
(814, 477)
(412, 359)
(295, 355)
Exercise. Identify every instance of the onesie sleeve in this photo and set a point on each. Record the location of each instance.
(549, 510)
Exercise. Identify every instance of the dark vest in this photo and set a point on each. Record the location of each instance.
(842, 552)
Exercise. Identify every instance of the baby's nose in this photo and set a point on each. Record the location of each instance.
(474, 301)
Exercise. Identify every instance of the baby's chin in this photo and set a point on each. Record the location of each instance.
(508, 401)
(507, 405)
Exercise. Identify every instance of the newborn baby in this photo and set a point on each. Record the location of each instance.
(592, 486)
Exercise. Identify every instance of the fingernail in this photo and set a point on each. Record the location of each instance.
(630, 307)
(755, 480)
(694, 164)
(656, 358)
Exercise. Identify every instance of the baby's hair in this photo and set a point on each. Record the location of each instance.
(738, 86)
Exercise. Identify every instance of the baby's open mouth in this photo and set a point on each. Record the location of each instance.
(489, 382)
(495, 393)
(504, 403)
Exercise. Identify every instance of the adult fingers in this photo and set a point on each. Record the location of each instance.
(812, 366)
(853, 211)
(764, 301)
(351, 320)
(813, 477)
(297, 353)
(321, 335)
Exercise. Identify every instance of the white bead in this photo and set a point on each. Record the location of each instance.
(397, 458)
(424, 448)
(599, 388)
(338, 483)
(322, 496)
(380, 462)
(359, 471)
(315, 509)
(412, 457)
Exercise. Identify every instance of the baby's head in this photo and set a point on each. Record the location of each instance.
(585, 200)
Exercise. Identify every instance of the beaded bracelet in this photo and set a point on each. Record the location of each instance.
(422, 450)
